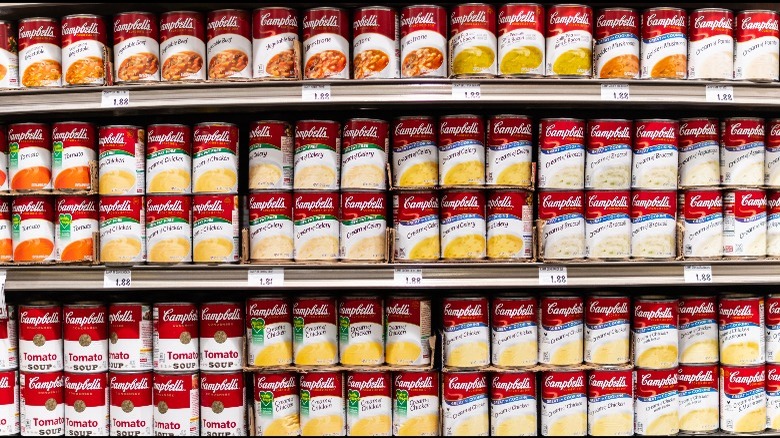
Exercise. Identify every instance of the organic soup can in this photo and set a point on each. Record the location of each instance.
(322, 404)
(416, 403)
(276, 403)
(76, 227)
(361, 334)
(269, 331)
(32, 229)
(29, 147)
(369, 407)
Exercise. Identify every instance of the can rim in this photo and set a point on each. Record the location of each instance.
(324, 8)
(711, 9)
(180, 12)
(496, 116)
(364, 119)
(568, 5)
(657, 120)
(664, 8)
(80, 16)
(24, 20)
(134, 12)
(561, 118)
(316, 120)
(414, 117)
(452, 116)
(121, 126)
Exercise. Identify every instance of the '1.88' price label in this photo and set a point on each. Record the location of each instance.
(117, 278)
(553, 276)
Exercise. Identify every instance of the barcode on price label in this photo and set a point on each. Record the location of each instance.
(553, 276)
(266, 277)
(698, 274)
(315, 93)
(720, 93)
(466, 91)
(115, 99)
(408, 277)
(618, 92)
(117, 278)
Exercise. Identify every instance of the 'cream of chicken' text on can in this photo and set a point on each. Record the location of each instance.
(465, 404)
(698, 392)
(513, 404)
(513, 323)
(772, 321)
(607, 329)
(276, 403)
(741, 330)
(509, 224)
(466, 332)
(369, 404)
(656, 401)
(408, 330)
(756, 46)
(564, 409)
(698, 330)
(323, 404)
(610, 403)
(361, 334)
(416, 403)
(743, 399)
(315, 331)
(268, 331)
(773, 397)
(561, 321)
(655, 333)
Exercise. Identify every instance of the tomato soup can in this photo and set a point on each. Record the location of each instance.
(40, 53)
(40, 337)
(222, 403)
(85, 335)
(221, 336)
(136, 47)
(521, 42)
(86, 404)
(616, 44)
(326, 43)
(9, 402)
(74, 148)
(130, 337)
(274, 40)
(42, 403)
(29, 146)
(473, 44)
(569, 40)
(131, 410)
(175, 336)
(176, 399)
(83, 49)
(183, 46)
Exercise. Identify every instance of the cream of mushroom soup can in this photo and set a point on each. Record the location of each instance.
(131, 410)
(561, 163)
(322, 404)
(608, 154)
(756, 45)
(9, 340)
(9, 402)
(175, 336)
(221, 336)
(270, 155)
(465, 410)
(215, 229)
(130, 337)
(408, 330)
(513, 404)
(176, 399)
(85, 336)
(743, 399)
(363, 227)
(607, 224)
(610, 403)
(656, 155)
(276, 403)
(607, 329)
(316, 226)
(369, 403)
(269, 331)
(698, 398)
(514, 331)
(772, 321)
(222, 403)
(742, 152)
(744, 223)
(699, 164)
(701, 213)
(40, 337)
(561, 330)
(466, 332)
(563, 229)
(741, 330)
(416, 219)
(86, 404)
(655, 333)
(271, 225)
(656, 402)
(564, 403)
(698, 330)
(42, 403)
(654, 224)
(416, 403)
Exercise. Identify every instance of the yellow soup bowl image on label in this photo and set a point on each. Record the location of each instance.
(613, 352)
(701, 352)
(426, 249)
(569, 354)
(573, 62)
(465, 247)
(370, 248)
(518, 174)
(285, 426)
(570, 425)
(319, 353)
(422, 425)
(264, 175)
(663, 356)
(503, 246)
(741, 353)
(170, 181)
(420, 175)
(216, 249)
(315, 177)
(666, 424)
(753, 421)
(700, 420)
(402, 353)
(620, 424)
(273, 247)
(169, 250)
(476, 425)
(116, 182)
(363, 353)
(466, 355)
(275, 354)
(373, 425)
(216, 181)
(520, 425)
(123, 249)
(326, 425)
(366, 175)
(464, 174)
(473, 60)
(521, 60)
(775, 422)
(324, 247)
(521, 354)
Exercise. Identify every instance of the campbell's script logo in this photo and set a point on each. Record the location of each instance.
(702, 22)
(29, 207)
(264, 384)
(325, 21)
(40, 32)
(265, 312)
(365, 21)
(656, 202)
(139, 384)
(660, 313)
(319, 203)
(515, 385)
(569, 19)
(619, 309)
(697, 201)
(522, 17)
(471, 17)
(180, 23)
(755, 131)
(462, 312)
(470, 385)
(573, 131)
(409, 385)
(465, 128)
(611, 383)
(412, 203)
(423, 129)
(565, 311)
(677, 21)
(499, 128)
(761, 26)
(272, 203)
(286, 21)
(170, 315)
(708, 129)
(700, 377)
(623, 21)
(138, 24)
(457, 203)
(420, 18)
(572, 383)
(223, 22)
(750, 379)
(39, 384)
(83, 29)
(570, 202)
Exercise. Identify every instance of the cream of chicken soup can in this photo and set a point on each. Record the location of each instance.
(466, 332)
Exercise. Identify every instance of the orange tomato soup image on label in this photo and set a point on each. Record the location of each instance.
(32, 229)
(76, 225)
(6, 244)
(29, 147)
(73, 148)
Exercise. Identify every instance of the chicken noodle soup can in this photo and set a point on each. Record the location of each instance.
(122, 229)
(130, 330)
(215, 228)
(74, 148)
(9, 58)
(654, 224)
(136, 47)
(221, 336)
(415, 152)
(564, 403)
(607, 224)
(610, 403)
(655, 333)
(9, 402)
(317, 161)
(182, 46)
(461, 150)
(607, 329)
(364, 154)
(168, 229)
(563, 227)
(514, 331)
(176, 399)
(326, 43)
(222, 403)
(656, 155)
(656, 402)
(215, 158)
(756, 45)
(424, 41)
(408, 330)
(131, 410)
(473, 40)
(608, 154)
(175, 336)
(86, 404)
(698, 397)
(742, 151)
(744, 223)
(361, 334)
(416, 403)
(269, 331)
(743, 399)
(465, 404)
(509, 224)
(40, 337)
(83, 49)
(276, 403)
(121, 160)
(85, 333)
(560, 330)
(561, 163)
(664, 44)
(701, 213)
(616, 44)
(699, 164)
(32, 229)
(375, 48)
(271, 226)
(698, 341)
(466, 332)
(42, 403)
(40, 55)
(29, 156)
(315, 331)
(416, 219)
(75, 228)
(521, 41)
(569, 39)
(169, 159)
(513, 404)
(274, 41)
(316, 226)
(741, 330)
(270, 155)
(369, 403)
(463, 225)
(711, 44)
(228, 44)
(509, 151)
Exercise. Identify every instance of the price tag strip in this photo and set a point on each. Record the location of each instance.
(265, 277)
(117, 278)
(115, 99)
(697, 273)
(315, 93)
(553, 276)
(466, 91)
(615, 92)
(407, 277)
(720, 93)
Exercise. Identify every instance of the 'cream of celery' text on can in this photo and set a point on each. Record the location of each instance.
(363, 218)
(415, 152)
(271, 225)
(316, 226)
(463, 225)
(270, 155)
(416, 218)
(364, 154)
(317, 162)
(461, 150)
(509, 224)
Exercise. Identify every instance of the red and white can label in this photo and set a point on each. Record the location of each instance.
(742, 330)
(653, 224)
(415, 153)
(274, 36)
(268, 331)
(461, 151)
(42, 403)
(228, 45)
(698, 330)
(375, 49)
(74, 147)
(222, 404)
(514, 331)
(608, 154)
(424, 41)
(773, 396)
(513, 404)
(772, 306)
(121, 160)
(569, 41)
(656, 156)
(561, 154)
(316, 226)
(136, 48)
(466, 332)
(772, 223)
(743, 399)
(364, 154)
(4, 180)
(215, 228)
(698, 392)
(416, 403)
(182, 46)
(702, 216)
(86, 338)
(176, 399)
(664, 45)
(699, 153)
(276, 403)
(611, 402)
(655, 330)
(86, 404)
(742, 150)
(322, 402)
(408, 330)
(40, 54)
(509, 150)
(744, 222)
(560, 330)
(130, 337)
(32, 229)
(131, 409)
(361, 334)
(77, 223)
(509, 224)
(656, 402)
(563, 232)
(317, 162)
(215, 158)
(221, 336)
(756, 42)
(607, 329)
(40, 338)
(564, 403)
(270, 155)
(168, 228)
(473, 40)
(83, 50)
(363, 230)
(607, 224)
(772, 155)
(169, 159)
(315, 332)
(369, 407)
(465, 404)
(9, 402)
(616, 45)
(463, 225)
(271, 226)
(175, 336)
(711, 44)
(9, 340)
(416, 218)
(325, 45)
(6, 230)
(29, 156)
(9, 58)
(521, 43)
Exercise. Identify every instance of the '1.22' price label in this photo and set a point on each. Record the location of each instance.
(316, 93)
(553, 276)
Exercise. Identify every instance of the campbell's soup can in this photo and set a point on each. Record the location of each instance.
(744, 223)
(317, 161)
(215, 158)
(655, 333)
(608, 154)
(521, 43)
(664, 44)
(122, 229)
(772, 223)
(32, 229)
(86, 404)
(269, 331)
(561, 330)
(742, 151)
(656, 155)
(463, 225)
(9, 402)
(607, 224)
(743, 399)
(75, 228)
(9, 340)
(6, 231)
(772, 155)
(701, 213)
(564, 403)
(74, 147)
(228, 44)
(561, 163)
(711, 44)
(176, 399)
(415, 152)
(514, 331)
(121, 160)
(569, 40)
(416, 403)
(466, 332)
(772, 307)
(509, 151)
(416, 219)
(361, 330)
(563, 229)
(741, 330)
(616, 44)
(276, 403)
(42, 403)
(654, 224)
(83, 50)
(322, 403)
(271, 226)
(408, 330)
(316, 226)
(364, 154)
(131, 409)
(473, 40)
(168, 229)
(756, 45)
(221, 336)
(610, 403)
(424, 41)
(773, 396)
(4, 155)
(40, 337)
(375, 48)
(698, 335)
(513, 404)
(9, 59)
(607, 329)
(29, 156)
(656, 402)
(509, 224)
(169, 159)
(85, 334)
(370, 409)
(40, 54)
(182, 46)
(175, 336)
(697, 387)
(274, 40)
(461, 150)
(215, 228)
(130, 337)
(270, 155)
(326, 43)
(315, 332)
(699, 164)
(136, 48)
(222, 403)
(465, 404)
